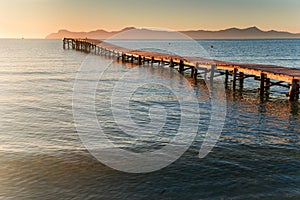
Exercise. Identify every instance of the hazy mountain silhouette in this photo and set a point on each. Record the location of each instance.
(231, 33)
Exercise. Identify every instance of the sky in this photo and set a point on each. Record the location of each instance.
(38, 18)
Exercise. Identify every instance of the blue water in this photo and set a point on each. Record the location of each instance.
(282, 52)
(42, 156)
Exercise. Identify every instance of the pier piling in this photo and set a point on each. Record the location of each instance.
(294, 90)
(262, 84)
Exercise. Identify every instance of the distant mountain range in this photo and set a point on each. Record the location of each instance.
(231, 33)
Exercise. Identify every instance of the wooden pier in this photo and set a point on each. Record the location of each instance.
(268, 75)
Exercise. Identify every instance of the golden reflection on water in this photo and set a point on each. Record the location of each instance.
(275, 107)
(274, 113)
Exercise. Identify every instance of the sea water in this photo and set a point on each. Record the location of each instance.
(43, 157)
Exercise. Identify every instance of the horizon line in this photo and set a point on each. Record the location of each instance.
(179, 30)
(155, 28)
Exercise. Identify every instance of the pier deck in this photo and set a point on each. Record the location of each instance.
(268, 75)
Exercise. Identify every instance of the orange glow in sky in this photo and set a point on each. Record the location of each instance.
(38, 18)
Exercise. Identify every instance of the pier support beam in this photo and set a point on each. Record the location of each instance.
(171, 63)
(234, 74)
(196, 71)
(212, 74)
(226, 77)
(132, 58)
(241, 79)
(64, 43)
(123, 58)
(262, 85)
(152, 60)
(68, 42)
(140, 60)
(161, 63)
(268, 85)
(205, 73)
(294, 90)
(181, 66)
(192, 72)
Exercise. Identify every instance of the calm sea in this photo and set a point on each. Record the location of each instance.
(42, 156)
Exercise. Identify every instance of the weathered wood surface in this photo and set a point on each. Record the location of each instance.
(238, 71)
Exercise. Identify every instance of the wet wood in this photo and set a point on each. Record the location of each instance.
(262, 84)
(294, 90)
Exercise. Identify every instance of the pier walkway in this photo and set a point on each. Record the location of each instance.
(268, 75)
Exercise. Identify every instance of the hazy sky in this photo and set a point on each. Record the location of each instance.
(37, 18)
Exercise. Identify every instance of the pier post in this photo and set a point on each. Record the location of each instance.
(73, 44)
(212, 74)
(241, 80)
(195, 74)
(171, 63)
(140, 60)
(64, 43)
(196, 71)
(132, 58)
(152, 60)
(268, 85)
(262, 84)
(234, 73)
(192, 72)
(205, 73)
(181, 66)
(162, 62)
(294, 90)
(226, 77)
